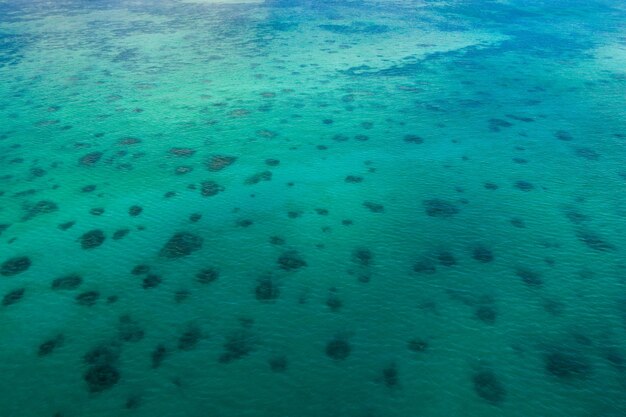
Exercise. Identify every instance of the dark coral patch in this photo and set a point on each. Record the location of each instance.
(50, 345)
(488, 386)
(219, 162)
(482, 254)
(210, 188)
(524, 185)
(486, 313)
(39, 208)
(90, 159)
(261, 176)
(291, 260)
(362, 256)
(129, 330)
(338, 349)
(182, 151)
(425, 266)
(529, 277)
(440, 208)
(237, 345)
(13, 297)
(103, 354)
(278, 363)
(595, 241)
(157, 356)
(92, 239)
(120, 234)
(390, 376)
(190, 338)
(88, 298)
(266, 289)
(67, 282)
(374, 207)
(66, 225)
(135, 210)
(101, 377)
(417, 345)
(181, 244)
(15, 265)
(587, 153)
(446, 258)
(140, 269)
(207, 275)
(353, 179)
(563, 135)
(129, 141)
(413, 139)
(567, 365)
(495, 125)
(151, 281)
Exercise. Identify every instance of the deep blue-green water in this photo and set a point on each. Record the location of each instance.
(293, 208)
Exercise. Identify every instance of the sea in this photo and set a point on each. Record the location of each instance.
(313, 208)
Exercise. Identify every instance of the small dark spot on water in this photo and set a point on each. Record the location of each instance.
(440, 208)
(563, 135)
(338, 349)
(207, 275)
(390, 376)
(524, 185)
(135, 210)
(566, 364)
(151, 281)
(595, 241)
(446, 258)
(140, 269)
(238, 345)
(66, 225)
(13, 296)
(277, 240)
(374, 207)
(190, 338)
(529, 277)
(486, 313)
(291, 260)
(482, 254)
(92, 239)
(519, 223)
(417, 345)
(104, 353)
(278, 363)
(157, 356)
(120, 234)
(101, 377)
(90, 159)
(67, 282)
(50, 345)
(15, 266)
(425, 265)
(362, 256)
(333, 301)
(88, 298)
(266, 289)
(488, 386)
(353, 179)
(181, 244)
(129, 330)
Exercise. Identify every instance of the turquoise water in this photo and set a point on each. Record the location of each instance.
(312, 208)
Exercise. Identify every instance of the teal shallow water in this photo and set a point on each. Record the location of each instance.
(295, 208)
